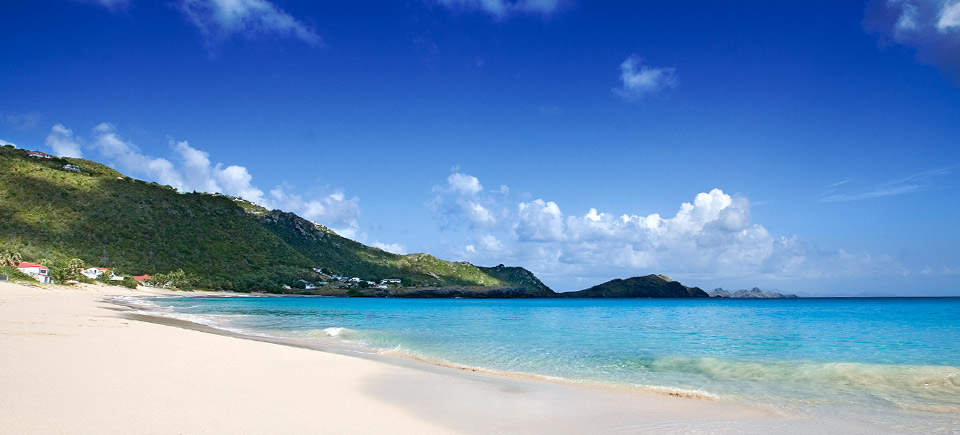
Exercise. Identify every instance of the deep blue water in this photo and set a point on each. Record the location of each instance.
(899, 354)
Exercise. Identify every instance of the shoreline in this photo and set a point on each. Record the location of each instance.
(129, 374)
(410, 360)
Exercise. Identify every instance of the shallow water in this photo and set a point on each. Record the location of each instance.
(897, 358)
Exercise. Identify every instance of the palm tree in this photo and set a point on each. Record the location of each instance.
(9, 258)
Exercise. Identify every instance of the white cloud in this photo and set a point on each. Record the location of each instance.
(395, 248)
(334, 209)
(463, 199)
(61, 140)
(932, 27)
(194, 171)
(235, 181)
(6, 142)
(711, 237)
(129, 159)
(540, 221)
(464, 184)
(505, 8)
(639, 81)
(219, 19)
(195, 167)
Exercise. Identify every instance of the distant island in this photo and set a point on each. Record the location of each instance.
(754, 293)
(74, 214)
(650, 286)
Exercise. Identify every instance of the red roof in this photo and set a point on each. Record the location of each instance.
(139, 278)
(103, 269)
(25, 264)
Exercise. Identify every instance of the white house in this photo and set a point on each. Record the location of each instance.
(390, 281)
(354, 279)
(39, 272)
(95, 272)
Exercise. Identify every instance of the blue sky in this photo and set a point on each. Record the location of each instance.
(810, 147)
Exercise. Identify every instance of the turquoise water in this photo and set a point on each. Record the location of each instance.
(899, 355)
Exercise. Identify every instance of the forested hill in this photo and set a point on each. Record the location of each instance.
(62, 208)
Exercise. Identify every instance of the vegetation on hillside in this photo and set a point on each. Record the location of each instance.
(340, 255)
(135, 227)
(193, 240)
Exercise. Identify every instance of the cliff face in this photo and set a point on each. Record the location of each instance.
(650, 286)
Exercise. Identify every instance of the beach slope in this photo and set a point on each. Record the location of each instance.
(73, 363)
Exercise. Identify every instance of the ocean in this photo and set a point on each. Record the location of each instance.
(896, 360)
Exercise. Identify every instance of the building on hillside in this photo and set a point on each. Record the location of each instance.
(390, 281)
(39, 272)
(96, 272)
(39, 155)
(71, 168)
(141, 278)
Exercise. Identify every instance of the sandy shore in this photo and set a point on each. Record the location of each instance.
(72, 363)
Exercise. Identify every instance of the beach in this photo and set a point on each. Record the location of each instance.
(73, 363)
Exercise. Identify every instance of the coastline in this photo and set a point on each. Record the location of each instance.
(73, 363)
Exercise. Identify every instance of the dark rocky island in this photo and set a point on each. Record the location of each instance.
(754, 293)
(650, 286)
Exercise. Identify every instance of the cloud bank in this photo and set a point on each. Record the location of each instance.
(192, 170)
(639, 81)
(712, 237)
(932, 27)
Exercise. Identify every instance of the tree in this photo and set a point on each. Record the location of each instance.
(10, 258)
(74, 268)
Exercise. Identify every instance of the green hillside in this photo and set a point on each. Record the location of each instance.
(344, 256)
(135, 227)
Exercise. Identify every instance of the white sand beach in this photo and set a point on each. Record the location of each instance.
(72, 363)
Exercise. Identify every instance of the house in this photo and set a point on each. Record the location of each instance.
(307, 284)
(39, 272)
(71, 168)
(390, 281)
(354, 279)
(141, 278)
(95, 272)
(39, 155)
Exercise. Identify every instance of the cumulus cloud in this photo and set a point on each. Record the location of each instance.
(6, 142)
(395, 248)
(463, 199)
(639, 81)
(129, 159)
(219, 19)
(61, 140)
(334, 209)
(505, 8)
(932, 27)
(711, 237)
(192, 170)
